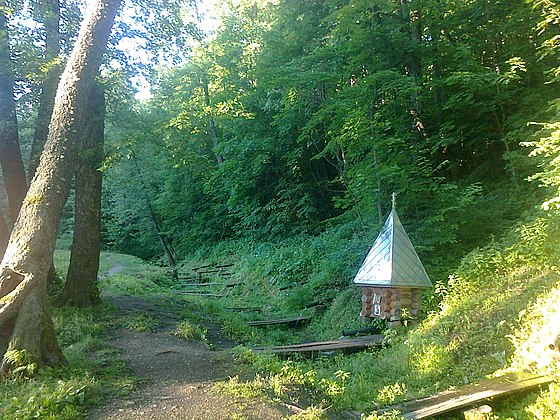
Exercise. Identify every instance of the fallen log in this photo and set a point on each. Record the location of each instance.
(365, 330)
(289, 321)
(318, 303)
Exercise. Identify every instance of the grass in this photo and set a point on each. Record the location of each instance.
(139, 322)
(189, 331)
(94, 371)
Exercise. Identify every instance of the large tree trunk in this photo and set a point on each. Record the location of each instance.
(51, 19)
(81, 288)
(10, 153)
(25, 322)
(48, 87)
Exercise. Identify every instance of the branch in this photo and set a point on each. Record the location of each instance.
(9, 304)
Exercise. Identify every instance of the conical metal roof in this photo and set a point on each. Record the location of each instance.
(392, 260)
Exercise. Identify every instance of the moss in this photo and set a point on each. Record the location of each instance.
(34, 199)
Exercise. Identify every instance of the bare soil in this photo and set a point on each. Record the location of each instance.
(177, 377)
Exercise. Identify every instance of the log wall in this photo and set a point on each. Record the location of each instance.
(392, 304)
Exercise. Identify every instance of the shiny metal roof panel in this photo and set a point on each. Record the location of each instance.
(392, 260)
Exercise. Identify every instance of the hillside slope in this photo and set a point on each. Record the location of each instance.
(498, 312)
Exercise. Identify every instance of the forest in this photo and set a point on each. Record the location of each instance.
(145, 141)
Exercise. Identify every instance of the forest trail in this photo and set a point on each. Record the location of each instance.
(177, 377)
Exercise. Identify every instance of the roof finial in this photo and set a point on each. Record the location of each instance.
(393, 200)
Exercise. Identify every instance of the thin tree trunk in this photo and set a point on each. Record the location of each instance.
(48, 87)
(10, 152)
(380, 190)
(211, 123)
(25, 320)
(4, 234)
(81, 288)
(153, 218)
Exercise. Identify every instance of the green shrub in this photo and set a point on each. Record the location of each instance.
(188, 331)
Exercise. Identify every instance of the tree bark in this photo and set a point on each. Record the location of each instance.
(10, 152)
(51, 18)
(81, 288)
(48, 87)
(4, 234)
(24, 269)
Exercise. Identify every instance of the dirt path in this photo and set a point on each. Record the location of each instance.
(176, 376)
(117, 268)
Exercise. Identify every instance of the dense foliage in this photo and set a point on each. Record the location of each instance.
(297, 117)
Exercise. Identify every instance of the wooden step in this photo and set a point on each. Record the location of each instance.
(376, 340)
(291, 321)
(194, 293)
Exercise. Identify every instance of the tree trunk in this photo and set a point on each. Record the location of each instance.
(211, 123)
(48, 87)
(155, 223)
(4, 234)
(25, 321)
(81, 288)
(10, 153)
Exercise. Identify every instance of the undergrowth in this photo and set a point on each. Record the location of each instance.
(496, 313)
(190, 331)
(94, 371)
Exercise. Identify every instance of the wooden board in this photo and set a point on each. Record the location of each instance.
(293, 321)
(468, 395)
(341, 344)
(244, 309)
(202, 267)
(198, 294)
(199, 284)
(224, 266)
(208, 284)
(214, 271)
(212, 266)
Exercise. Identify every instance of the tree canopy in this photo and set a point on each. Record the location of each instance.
(293, 117)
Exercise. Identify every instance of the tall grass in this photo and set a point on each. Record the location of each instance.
(497, 312)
